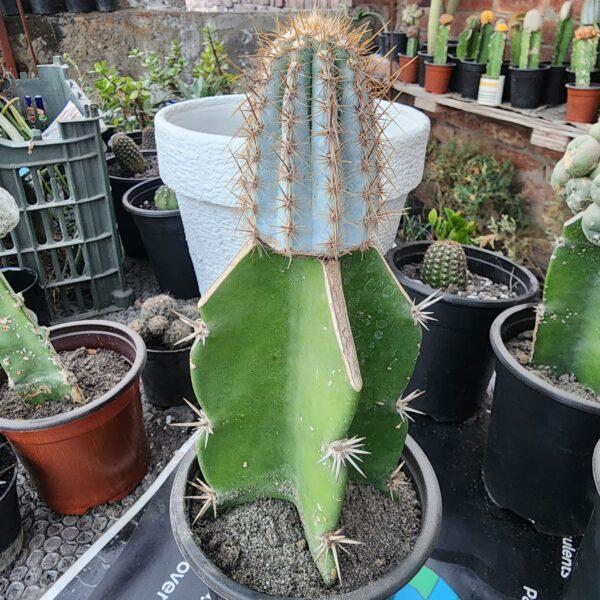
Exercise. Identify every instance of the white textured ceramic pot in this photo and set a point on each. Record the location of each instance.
(196, 141)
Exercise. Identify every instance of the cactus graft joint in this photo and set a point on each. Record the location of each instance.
(344, 450)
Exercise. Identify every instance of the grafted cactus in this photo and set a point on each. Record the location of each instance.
(516, 33)
(411, 14)
(584, 54)
(568, 328)
(487, 28)
(496, 50)
(564, 33)
(440, 56)
(468, 39)
(306, 342)
(32, 365)
(531, 40)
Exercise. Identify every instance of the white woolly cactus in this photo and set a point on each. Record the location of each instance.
(312, 164)
(9, 213)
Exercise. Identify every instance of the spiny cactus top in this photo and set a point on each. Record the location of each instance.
(445, 265)
(312, 166)
(128, 154)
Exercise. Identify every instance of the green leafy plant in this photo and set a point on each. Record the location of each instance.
(451, 226)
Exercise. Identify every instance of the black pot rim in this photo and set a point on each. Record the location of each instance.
(428, 489)
(159, 352)
(424, 53)
(519, 371)
(542, 67)
(23, 270)
(111, 159)
(144, 212)
(13, 480)
(76, 328)
(471, 252)
(471, 61)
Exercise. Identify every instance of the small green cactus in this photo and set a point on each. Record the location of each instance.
(128, 155)
(531, 40)
(487, 28)
(412, 42)
(564, 33)
(161, 323)
(440, 56)
(411, 14)
(148, 138)
(516, 34)
(436, 8)
(445, 265)
(496, 50)
(584, 54)
(165, 198)
(468, 39)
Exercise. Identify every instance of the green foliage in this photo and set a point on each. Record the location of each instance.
(445, 265)
(451, 226)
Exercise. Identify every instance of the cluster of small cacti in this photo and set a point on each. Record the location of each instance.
(165, 198)
(440, 55)
(564, 33)
(445, 265)
(496, 50)
(568, 330)
(468, 39)
(33, 367)
(161, 323)
(291, 306)
(128, 154)
(584, 54)
(531, 40)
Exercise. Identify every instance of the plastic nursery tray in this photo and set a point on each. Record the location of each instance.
(484, 552)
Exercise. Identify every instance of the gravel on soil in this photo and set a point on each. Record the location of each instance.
(478, 286)
(97, 371)
(521, 349)
(261, 544)
(53, 542)
(115, 170)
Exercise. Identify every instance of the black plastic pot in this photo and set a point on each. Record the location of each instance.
(166, 377)
(527, 86)
(456, 360)
(392, 43)
(25, 281)
(469, 74)
(47, 7)
(419, 470)
(164, 239)
(80, 6)
(594, 76)
(584, 581)
(10, 8)
(423, 58)
(11, 532)
(504, 70)
(130, 236)
(106, 5)
(554, 85)
(540, 441)
(453, 86)
(452, 45)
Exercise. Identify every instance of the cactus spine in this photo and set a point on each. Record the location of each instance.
(128, 155)
(316, 393)
(468, 39)
(564, 33)
(445, 265)
(33, 367)
(531, 40)
(487, 28)
(584, 54)
(165, 198)
(436, 7)
(516, 34)
(496, 52)
(440, 56)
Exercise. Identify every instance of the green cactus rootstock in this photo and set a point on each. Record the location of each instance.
(291, 388)
(564, 33)
(445, 265)
(496, 54)
(531, 40)
(33, 367)
(440, 55)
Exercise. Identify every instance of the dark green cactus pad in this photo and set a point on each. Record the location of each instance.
(445, 265)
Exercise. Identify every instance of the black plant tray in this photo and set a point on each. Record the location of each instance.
(484, 552)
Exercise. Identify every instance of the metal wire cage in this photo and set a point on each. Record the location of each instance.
(67, 230)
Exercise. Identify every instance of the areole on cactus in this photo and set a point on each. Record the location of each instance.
(316, 337)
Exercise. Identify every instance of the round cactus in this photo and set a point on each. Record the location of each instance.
(9, 213)
(165, 198)
(582, 156)
(128, 154)
(445, 265)
(578, 193)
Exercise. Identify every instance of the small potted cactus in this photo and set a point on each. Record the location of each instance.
(473, 51)
(299, 392)
(556, 76)
(70, 404)
(527, 79)
(128, 166)
(167, 329)
(491, 85)
(409, 64)
(156, 215)
(583, 97)
(547, 376)
(439, 71)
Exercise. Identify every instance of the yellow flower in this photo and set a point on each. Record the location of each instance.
(487, 16)
(501, 26)
(446, 19)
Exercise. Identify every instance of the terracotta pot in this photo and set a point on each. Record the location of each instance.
(437, 77)
(409, 68)
(98, 452)
(582, 103)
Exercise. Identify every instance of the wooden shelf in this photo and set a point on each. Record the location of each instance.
(547, 124)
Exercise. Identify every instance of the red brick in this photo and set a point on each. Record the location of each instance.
(442, 132)
(556, 4)
(523, 161)
(513, 6)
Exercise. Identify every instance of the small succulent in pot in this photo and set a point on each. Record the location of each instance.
(165, 198)
(438, 72)
(583, 98)
(491, 85)
(468, 39)
(445, 265)
(128, 154)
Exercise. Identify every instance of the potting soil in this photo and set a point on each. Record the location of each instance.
(114, 169)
